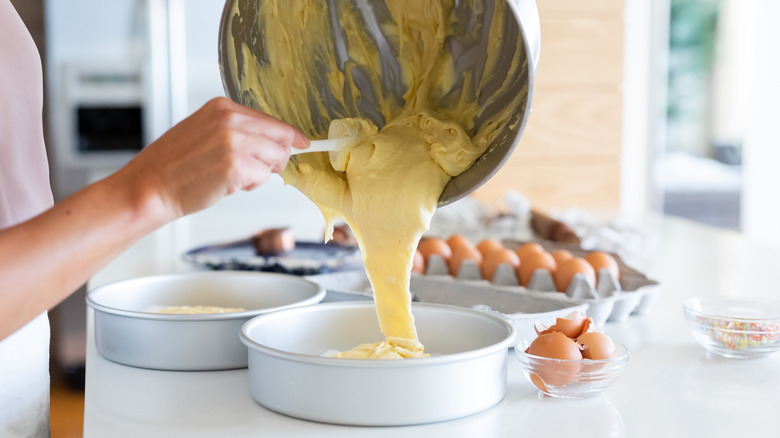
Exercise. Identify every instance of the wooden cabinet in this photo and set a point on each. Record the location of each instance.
(569, 155)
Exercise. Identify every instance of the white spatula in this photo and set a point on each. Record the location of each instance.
(343, 134)
(328, 145)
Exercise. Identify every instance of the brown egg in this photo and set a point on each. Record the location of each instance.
(556, 345)
(419, 263)
(273, 241)
(561, 255)
(433, 245)
(573, 325)
(567, 270)
(529, 248)
(456, 241)
(532, 262)
(596, 345)
(462, 253)
(343, 235)
(601, 260)
(487, 246)
(497, 258)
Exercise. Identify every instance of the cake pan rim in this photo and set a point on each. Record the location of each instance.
(504, 344)
(94, 294)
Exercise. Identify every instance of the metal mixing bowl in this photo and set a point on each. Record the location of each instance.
(468, 45)
(291, 372)
(128, 332)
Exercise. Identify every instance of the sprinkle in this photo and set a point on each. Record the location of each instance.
(740, 335)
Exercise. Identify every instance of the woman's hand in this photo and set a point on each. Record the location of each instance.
(221, 148)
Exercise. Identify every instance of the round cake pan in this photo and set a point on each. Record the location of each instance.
(128, 331)
(292, 371)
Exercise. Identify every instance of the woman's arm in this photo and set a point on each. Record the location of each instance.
(221, 148)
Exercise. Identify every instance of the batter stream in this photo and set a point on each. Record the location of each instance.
(387, 183)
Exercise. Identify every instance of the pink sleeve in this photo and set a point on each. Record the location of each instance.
(25, 190)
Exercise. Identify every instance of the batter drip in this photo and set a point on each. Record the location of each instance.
(387, 183)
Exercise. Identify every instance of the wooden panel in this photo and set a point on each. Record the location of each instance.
(580, 5)
(577, 122)
(569, 155)
(67, 409)
(581, 50)
(592, 186)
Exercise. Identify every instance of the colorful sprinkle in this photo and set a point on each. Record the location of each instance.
(739, 335)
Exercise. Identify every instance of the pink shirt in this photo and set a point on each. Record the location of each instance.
(24, 171)
(24, 193)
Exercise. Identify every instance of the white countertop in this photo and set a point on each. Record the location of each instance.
(671, 386)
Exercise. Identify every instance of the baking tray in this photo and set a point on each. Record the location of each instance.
(308, 258)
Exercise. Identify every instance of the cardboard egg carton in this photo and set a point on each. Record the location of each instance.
(610, 300)
(522, 311)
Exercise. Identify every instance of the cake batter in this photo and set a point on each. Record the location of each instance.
(198, 310)
(387, 183)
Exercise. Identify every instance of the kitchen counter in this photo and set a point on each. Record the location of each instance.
(671, 386)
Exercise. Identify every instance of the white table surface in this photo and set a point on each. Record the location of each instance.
(670, 388)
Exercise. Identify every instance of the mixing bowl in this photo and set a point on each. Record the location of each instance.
(735, 327)
(128, 331)
(292, 371)
(358, 91)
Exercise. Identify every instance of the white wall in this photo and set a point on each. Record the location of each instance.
(78, 29)
(761, 151)
(644, 98)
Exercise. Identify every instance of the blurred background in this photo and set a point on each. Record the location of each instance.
(641, 107)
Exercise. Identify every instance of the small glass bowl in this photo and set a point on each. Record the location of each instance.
(571, 378)
(741, 328)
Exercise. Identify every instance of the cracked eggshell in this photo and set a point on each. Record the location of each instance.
(596, 346)
(556, 345)
(572, 325)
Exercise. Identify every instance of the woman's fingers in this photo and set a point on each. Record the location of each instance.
(221, 148)
(264, 158)
(263, 124)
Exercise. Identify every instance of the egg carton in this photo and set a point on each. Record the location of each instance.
(522, 311)
(610, 300)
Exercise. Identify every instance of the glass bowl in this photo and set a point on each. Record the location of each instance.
(741, 328)
(571, 378)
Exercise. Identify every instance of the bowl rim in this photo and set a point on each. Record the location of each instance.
(252, 344)
(94, 294)
(620, 359)
(689, 308)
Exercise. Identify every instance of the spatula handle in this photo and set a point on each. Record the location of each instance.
(318, 146)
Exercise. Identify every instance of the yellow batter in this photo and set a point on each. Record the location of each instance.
(386, 184)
